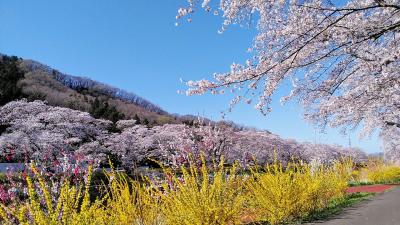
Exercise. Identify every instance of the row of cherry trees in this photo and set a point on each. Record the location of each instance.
(58, 136)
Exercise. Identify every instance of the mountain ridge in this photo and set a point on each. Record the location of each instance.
(82, 82)
(43, 82)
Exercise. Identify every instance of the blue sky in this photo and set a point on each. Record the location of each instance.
(135, 45)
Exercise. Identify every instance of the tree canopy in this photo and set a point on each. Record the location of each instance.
(342, 59)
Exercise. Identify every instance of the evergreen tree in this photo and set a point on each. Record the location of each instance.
(10, 74)
(136, 117)
(101, 109)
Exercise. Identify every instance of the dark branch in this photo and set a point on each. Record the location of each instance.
(393, 124)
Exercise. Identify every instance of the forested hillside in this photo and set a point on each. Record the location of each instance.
(32, 80)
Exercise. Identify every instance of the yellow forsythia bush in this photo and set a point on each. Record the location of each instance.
(132, 202)
(197, 196)
(73, 206)
(283, 194)
(379, 172)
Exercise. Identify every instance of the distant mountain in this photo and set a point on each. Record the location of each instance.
(82, 83)
(36, 81)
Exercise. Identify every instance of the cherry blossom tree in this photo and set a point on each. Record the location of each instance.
(133, 145)
(36, 131)
(182, 142)
(326, 154)
(266, 147)
(170, 144)
(342, 59)
(391, 144)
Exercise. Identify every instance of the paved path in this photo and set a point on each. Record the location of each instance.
(382, 209)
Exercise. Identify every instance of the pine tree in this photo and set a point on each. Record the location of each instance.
(10, 74)
(136, 117)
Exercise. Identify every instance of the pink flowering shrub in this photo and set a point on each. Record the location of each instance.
(4, 195)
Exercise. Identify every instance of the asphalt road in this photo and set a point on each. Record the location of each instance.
(382, 209)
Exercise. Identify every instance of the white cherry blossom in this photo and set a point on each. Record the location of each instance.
(343, 59)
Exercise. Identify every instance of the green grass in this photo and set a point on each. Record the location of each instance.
(364, 183)
(360, 183)
(337, 206)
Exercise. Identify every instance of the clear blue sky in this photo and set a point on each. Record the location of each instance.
(135, 45)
